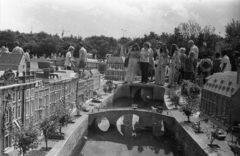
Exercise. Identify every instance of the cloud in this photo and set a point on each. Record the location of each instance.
(108, 17)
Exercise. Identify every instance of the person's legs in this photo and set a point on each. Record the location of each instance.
(162, 76)
(129, 71)
(157, 75)
(142, 71)
(134, 69)
(145, 72)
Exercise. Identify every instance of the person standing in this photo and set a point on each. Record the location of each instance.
(174, 64)
(163, 60)
(217, 63)
(134, 56)
(189, 66)
(205, 67)
(183, 57)
(68, 59)
(27, 56)
(144, 62)
(194, 48)
(82, 59)
(151, 63)
(17, 49)
(226, 64)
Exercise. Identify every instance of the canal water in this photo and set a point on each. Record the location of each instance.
(128, 137)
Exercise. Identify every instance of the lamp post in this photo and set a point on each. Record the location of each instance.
(123, 31)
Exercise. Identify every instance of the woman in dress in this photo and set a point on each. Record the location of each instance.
(144, 62)
(134, 56)
(163, 60)
(174, 64)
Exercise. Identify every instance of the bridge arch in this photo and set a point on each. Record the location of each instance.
(148, 117)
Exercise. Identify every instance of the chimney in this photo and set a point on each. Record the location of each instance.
(238, 74)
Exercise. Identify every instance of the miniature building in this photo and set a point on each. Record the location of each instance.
(33, 101)
(221, 97)
(13, 62)
(116, 69)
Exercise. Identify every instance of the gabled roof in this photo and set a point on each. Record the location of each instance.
(10, 59)
(223, 83)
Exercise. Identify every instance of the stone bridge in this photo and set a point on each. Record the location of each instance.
(147, 117)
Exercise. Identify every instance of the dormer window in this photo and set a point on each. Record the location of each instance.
(229, 83)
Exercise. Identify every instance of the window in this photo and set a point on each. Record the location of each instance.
(47, 100)
(36, 94)
(14, 96)
(40, 102)
(19, 111)
(32, 106)
(14, 113)
(36, 104)
(7, 116)
(27, 94)
(19, 96)
(7, 141)
(32, 92)
(27, 108)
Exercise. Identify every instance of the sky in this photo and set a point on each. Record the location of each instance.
(114, 18)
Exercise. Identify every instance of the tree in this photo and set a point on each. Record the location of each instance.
(61, 115)
(187, 111)
(105, 89)
(232, 30)
(26, 137)
(48, 125)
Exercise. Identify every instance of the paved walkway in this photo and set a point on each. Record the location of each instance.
(202, 138)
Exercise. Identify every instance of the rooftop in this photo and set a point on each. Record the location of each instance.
(223, 83)
(13, 59)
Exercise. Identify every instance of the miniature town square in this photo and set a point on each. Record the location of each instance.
(169, 94)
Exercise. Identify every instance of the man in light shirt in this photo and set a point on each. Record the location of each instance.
(17, 49)
(27, 56)
(68, 60)
(82, 59)
(193, 48)
(226, 65)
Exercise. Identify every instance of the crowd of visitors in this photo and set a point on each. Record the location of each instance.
(176, 65)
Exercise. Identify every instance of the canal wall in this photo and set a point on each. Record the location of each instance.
(72, 136)
(185, 140)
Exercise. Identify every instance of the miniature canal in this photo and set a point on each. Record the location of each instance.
(128, 137)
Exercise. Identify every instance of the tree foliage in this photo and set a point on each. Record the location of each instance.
(232, 30)
(26, 137)
(43, 43)
(48, 125)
